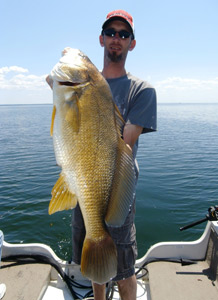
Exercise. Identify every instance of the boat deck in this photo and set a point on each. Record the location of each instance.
(198, 281)
(24, 281)
(174, 281)
(167, 281)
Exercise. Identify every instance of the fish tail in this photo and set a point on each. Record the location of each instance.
(99, 259)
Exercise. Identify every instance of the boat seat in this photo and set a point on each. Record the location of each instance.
(24, 281)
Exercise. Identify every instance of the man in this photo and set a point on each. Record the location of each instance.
(136, 101)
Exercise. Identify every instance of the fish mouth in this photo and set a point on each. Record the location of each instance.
(68, 83)
(74, 84)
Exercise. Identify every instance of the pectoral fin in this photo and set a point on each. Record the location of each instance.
(62, 198)
(123, 187)
(73, 115)
(52, 120)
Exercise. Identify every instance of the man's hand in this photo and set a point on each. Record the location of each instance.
(49, 81)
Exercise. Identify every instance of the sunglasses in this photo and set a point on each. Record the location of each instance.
(123, 34)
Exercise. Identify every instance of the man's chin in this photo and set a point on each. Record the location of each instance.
(114, 57)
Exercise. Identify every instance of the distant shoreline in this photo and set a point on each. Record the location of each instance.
(160, 103)
(25, 104)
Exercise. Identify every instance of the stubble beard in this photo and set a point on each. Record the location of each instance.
(114, 57)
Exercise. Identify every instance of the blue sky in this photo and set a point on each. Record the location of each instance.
(176, 51)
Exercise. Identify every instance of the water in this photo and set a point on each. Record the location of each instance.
(178, 176)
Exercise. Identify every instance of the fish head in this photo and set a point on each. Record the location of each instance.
(76, 84)
(71, 67)
(69, 74)
(73, 74)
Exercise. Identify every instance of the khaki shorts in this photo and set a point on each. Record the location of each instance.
(124, 238)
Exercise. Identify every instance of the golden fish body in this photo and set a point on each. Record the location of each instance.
(97, 166)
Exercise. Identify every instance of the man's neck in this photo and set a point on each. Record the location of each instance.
(113, 74)
(113, 70)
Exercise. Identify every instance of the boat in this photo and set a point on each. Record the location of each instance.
(168, 270)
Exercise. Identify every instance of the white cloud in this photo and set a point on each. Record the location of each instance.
(18, 78)
(5, 70)
(17, 85)
(187, 83)
(178, 89)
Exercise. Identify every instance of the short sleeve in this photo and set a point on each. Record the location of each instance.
(143, 109)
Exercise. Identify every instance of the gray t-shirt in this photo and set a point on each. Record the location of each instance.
(136, 100)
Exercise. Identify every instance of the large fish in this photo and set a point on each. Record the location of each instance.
(97, 166)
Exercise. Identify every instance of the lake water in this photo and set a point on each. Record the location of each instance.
(178, 178)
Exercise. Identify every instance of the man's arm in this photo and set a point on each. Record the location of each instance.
(131, 133)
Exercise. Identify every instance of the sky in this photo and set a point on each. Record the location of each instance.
(176, 45)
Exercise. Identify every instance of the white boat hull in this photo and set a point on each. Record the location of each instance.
(56, 287)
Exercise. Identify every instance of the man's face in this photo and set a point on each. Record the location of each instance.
(116, 48)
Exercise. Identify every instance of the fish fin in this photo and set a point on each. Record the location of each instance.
(99, 259)
(73, 114)
(52, 120)
(123, 187)
(62, 198)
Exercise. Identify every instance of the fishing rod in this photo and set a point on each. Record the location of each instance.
(211, 216)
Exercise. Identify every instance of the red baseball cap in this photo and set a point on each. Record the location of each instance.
(119, 15)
